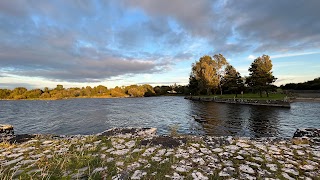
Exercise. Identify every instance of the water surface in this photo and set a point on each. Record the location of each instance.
(89, 116)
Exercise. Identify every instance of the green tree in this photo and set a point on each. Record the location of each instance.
(232, 80)
(261, 77)
(193, 85)
(59, 87)
(220, 64)
(205, 73)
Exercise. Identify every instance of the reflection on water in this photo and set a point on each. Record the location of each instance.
(88, 116)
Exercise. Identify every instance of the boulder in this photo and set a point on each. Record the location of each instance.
(6, 129)
(307, 132)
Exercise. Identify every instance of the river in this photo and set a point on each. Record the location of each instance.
(90, 116)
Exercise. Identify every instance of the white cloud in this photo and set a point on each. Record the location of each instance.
(292, 54)
(252, 57)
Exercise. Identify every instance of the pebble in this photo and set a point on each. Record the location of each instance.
(198, 176)
(138, 174)
(272, 167)
(120, 152)
(13, 161)
(246, 169)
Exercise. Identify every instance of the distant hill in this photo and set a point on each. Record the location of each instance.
(309, 85)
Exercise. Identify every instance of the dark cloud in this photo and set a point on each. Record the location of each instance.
(276, 25)
(90, 41)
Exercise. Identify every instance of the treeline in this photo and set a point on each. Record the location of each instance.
(309, 85)
(212, 74)
(98, 91)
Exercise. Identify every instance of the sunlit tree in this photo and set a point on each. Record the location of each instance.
(261, 77)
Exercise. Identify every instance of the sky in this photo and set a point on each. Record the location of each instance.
(80, 43)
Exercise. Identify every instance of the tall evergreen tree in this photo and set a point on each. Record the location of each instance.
(261, 77)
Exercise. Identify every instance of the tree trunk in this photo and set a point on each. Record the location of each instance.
(208, 91)
(267, 93)
(260, 92)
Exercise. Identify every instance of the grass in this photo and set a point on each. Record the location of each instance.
(249, 96)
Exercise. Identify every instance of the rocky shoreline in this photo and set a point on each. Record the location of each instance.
(141, 154)
(274, 103)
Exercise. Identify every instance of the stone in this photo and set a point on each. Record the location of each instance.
(14, 155)
(195, 145)
(300, 153)
(99, 169)
(110, 159)
(149, 151)
(307, 132)
(290, 171)
(243, 145)
(109, 150)
(239, 157)
(199, 160)
(24, 162)
(157, 159)
(285, 175)
(13, 161)
(119, 146)
(120, 152)
(198, 176)
(17, 173)
(133, 166)
(258, 159)
(27, 149)
(138, 174)
(272, 167)
(217, 150)
(181, 168)
(136, 150)
(247, 176)
(246, 169)
(307, 167)
(205, 150)
(161, 152)
(119, 163)
(130, 144)
(177, 176)
(47, 142)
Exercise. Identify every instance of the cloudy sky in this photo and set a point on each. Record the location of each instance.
(121, 42)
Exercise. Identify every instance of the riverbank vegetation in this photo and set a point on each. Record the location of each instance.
(309, 85)
(212, 74)
(100, 91)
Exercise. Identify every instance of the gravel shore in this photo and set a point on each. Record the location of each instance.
(159, 157)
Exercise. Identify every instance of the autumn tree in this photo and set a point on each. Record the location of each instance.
(204, 71)
(220, 64)
(232, 80)
(261, 77)
(18, 93)
(4, 93)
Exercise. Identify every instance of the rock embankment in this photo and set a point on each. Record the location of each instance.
(274, 103)
(125, 156)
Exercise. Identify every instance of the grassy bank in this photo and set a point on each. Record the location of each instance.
(248, 96)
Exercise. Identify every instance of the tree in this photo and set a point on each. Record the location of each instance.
(261, 77)
(220, 64)
(232, 81)
(18, 93)
(193, 85)
(4, 93)
(205, 73)
(59, 87)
